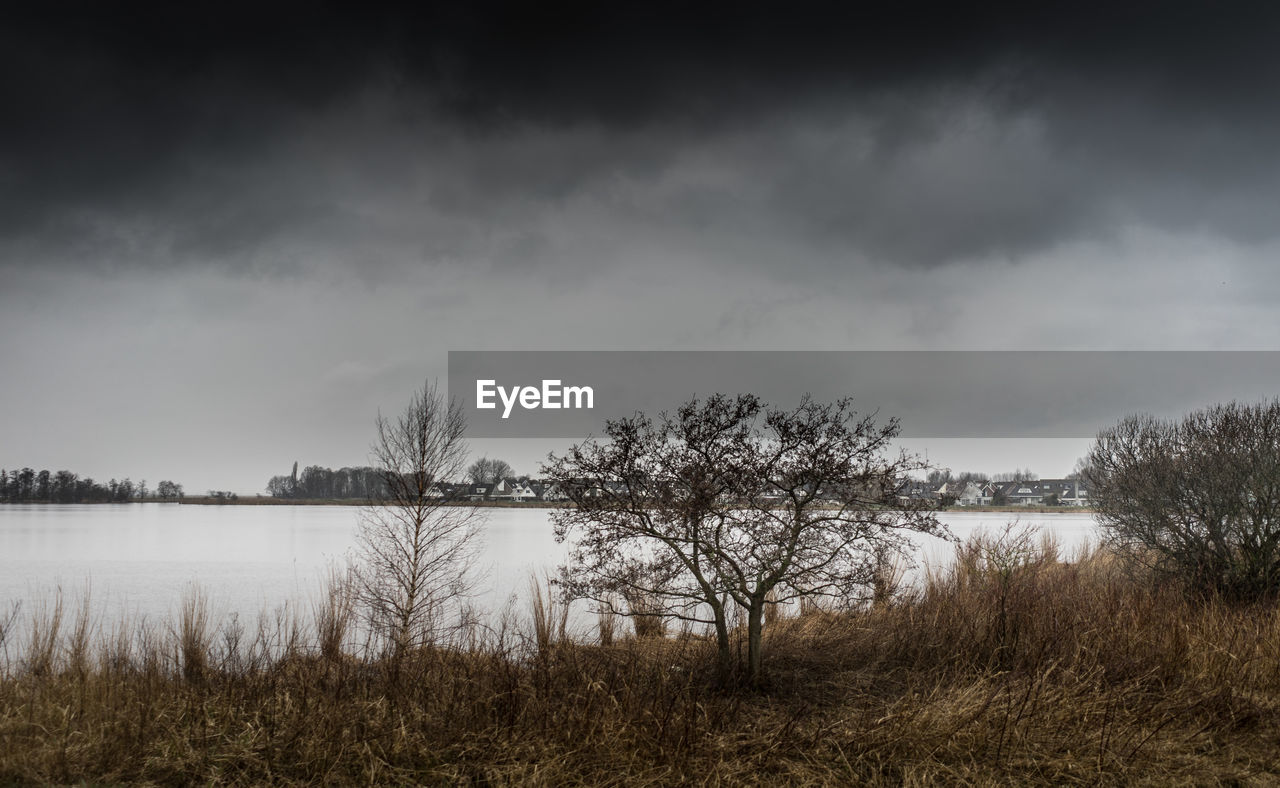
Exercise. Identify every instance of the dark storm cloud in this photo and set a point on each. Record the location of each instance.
(537, 135)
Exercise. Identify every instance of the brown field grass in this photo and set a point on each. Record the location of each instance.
(1011, 667)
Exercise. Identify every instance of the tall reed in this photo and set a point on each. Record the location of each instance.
(1010, 665)
(550, 617)
(193, 635)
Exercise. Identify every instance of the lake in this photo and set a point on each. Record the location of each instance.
(138, 559)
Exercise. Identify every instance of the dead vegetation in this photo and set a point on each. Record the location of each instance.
(1013, 665)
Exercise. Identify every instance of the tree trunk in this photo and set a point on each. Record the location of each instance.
(755, 625)
(724, 655)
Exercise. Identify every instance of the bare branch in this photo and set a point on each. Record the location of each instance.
(415, 555)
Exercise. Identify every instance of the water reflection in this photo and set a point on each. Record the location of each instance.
(139, 559)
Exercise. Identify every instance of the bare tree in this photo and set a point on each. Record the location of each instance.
(938, 477)
(817, 512)
(728, 503)
(415, 555)
(1080, 470)
(647, 500)
(1019, 475)
(1198, 499)
(487, 471)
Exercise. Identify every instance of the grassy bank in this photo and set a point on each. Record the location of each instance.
(1012, 667)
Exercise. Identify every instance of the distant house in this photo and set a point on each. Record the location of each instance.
(912, 490)
(513, 490)
(544, 491)
(972, 493)
(1046, 492)
(1076, 495)
(1022, 493)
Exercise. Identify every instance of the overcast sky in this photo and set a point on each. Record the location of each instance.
(228, 237)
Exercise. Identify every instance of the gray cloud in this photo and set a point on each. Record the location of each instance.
(531, 140)
(265, 232)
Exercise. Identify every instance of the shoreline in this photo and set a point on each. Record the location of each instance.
(204, 500)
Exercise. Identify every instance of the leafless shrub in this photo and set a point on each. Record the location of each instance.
(1195, 499)
(414, 562)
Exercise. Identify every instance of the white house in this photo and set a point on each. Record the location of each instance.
(511, 489)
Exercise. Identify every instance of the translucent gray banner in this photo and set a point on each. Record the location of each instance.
(935, 394)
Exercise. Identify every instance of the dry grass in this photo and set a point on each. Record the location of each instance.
(607, 622)
(645, 617)
(334, 615)
(550, 617)
(1012, 666)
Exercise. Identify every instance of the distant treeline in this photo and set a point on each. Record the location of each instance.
(317, 482)
(31, 486)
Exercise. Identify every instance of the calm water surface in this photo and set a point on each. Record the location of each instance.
(138, 559)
